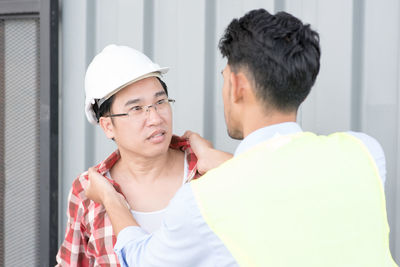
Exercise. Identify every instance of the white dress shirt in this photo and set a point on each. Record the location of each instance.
(185, 239)
(262, 134)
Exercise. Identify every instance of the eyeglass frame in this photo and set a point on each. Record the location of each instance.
(146, 107)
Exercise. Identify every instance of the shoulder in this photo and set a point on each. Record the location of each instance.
(81, 182)
(376, 151)
(79, 185)
(373, 146)
(78, 203)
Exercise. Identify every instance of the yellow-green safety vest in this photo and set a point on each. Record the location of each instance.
(299, 200)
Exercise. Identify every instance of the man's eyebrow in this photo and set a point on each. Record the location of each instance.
(160, 93)
(137, 100)
(132, 101)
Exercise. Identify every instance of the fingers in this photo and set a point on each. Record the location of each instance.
(98, 186)
(91, 171)
(87, 189)
(86, 186)
(187, 134)
(94, 175)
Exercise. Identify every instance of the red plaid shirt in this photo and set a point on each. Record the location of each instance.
(89, 238)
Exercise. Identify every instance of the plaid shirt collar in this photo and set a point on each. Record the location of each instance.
(176, 143)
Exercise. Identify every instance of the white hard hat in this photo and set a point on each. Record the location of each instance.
(111, 70)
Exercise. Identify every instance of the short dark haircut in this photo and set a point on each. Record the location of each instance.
(279, 52)
(105, 108)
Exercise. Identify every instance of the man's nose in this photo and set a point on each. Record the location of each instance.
(152, 115)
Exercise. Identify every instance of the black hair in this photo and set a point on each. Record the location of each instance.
(279, 53)
(105, 108)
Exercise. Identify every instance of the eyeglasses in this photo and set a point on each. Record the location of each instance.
(161, 106)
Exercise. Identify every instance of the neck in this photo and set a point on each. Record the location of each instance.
(142, 169)
(255, 118)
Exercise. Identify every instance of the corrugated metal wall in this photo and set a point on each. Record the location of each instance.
(357, 87)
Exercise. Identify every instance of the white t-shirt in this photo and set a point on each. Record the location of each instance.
(151, 221)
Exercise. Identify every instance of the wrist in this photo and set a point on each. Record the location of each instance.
(109, 197)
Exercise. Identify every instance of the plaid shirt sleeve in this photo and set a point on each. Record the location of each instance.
(73, 249)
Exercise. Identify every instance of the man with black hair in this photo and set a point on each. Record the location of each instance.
(287, 197)
(126, 97)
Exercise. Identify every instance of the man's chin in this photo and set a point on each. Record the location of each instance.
(155, 151)
(237, 135)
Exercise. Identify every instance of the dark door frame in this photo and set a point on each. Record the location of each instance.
(48, 13)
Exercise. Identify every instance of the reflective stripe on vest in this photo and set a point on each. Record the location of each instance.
(299, 200)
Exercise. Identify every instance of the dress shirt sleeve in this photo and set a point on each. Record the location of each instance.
(179, 242)
(376, 151)
(72, 251)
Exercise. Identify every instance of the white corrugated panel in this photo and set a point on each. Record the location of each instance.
(357, 87)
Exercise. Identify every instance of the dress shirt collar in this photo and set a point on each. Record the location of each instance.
(265, 133)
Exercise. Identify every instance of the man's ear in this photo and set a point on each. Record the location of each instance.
(107, 126)
(240, 86)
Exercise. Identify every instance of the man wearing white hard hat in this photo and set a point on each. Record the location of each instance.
(287, 197)
(126, 97)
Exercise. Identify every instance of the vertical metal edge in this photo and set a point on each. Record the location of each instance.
(2, 144)
(148, 28)
(49, 91)
(90, 52)
(395, 242)
(357, 65)
(59, 140)
(209, 69)
(44, 203)
(54, 128)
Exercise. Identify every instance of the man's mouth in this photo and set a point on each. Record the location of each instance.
(156, 134)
